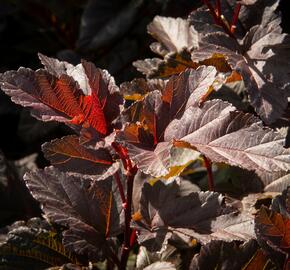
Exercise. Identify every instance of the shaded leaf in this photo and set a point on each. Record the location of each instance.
(15, 199)
(234, 181)
(163, 214)
(68, 266)
(86, 207)
(104, 22)
(273, 234)
(33, 245)
(68, 154)
(139, 87)
(281, 203)
(224, 255)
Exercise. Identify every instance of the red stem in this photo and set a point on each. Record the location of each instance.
(127, 236)
(218, 8)
(235, 18)
(210, 180)
(212, 11)
(127, 202)
(123, 157)
(133, 237)
(120, 187)
(217, 19)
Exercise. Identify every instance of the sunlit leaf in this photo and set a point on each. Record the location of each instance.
(255, 58)
(68, 154)
(149, 118)
(225, 135)
(81, 95)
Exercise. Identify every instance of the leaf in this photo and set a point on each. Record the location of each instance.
(87, 208)
(224, 255)
(34, 245)
(139, 87)
(160, 266)
(281, 203)
(259, 13)
(145, 258)
(234, 181)
(82, 95)
(163, 214)
(229, 136)
(275, 181)
(149, 118)
(174, 34)
(69, 155)
(255, 58)
(176, 38)
(104, 23)
(68, 266)
(15, 199)
(273, 235)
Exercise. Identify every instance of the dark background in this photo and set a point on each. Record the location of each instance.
(110, 33)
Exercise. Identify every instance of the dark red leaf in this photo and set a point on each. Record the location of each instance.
(81, 95)
(69, 155)
(87, 208)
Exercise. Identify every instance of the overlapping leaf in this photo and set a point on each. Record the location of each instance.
(138, 88)
(160, 266)
(176, 39)
(81, 95)
(146, 258)
(259, 12)
(281, 203)
(144, 136)
(223, 255)
(87, 208)
(68, 154)
(275, 181)
(203, 216)
(273, 234)
(229, 136)
(33, 245)
(257, 58)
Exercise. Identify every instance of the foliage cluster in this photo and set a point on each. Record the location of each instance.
(186, 169)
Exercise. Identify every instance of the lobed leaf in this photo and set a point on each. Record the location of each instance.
(85, 207)
(68, 154)
(255, 58)
(224, 255)
(163, 214)
(81, 95)
(229, 136)
(149, 118)
(281, 203)
(33, 245)
(273, 234)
